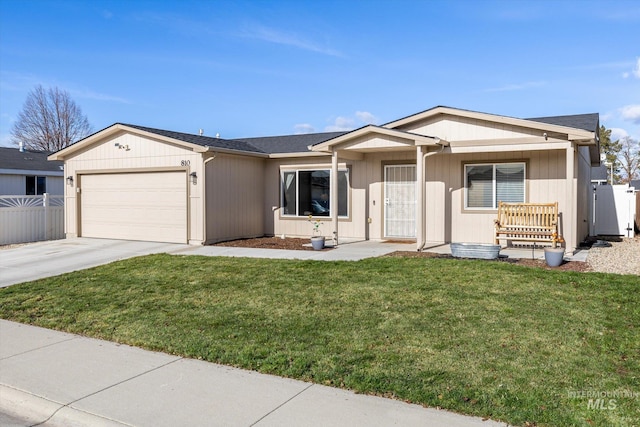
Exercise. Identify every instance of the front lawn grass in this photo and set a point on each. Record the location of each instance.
(491, 339)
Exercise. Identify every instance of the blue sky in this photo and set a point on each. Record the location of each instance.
(263, 68)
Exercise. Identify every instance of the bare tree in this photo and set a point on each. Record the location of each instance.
(629, 157)
(49, 121)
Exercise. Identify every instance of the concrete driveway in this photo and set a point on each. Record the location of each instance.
(44, 259)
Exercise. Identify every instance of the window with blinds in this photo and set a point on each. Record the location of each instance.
(488, 184)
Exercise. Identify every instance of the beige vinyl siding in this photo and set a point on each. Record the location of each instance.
(446, 218)
(374, 182)
(134, 206)
(235, 201)
(277, 224)
(379, 142)
(366, 199)
(452, 128)
(143, 155)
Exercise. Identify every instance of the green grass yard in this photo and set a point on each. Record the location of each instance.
(512, 343)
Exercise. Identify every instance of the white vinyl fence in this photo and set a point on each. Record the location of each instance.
(614, 210)
(31, 218)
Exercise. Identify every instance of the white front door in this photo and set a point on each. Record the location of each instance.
(400, 201)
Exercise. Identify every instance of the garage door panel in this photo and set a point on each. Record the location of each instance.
(135, 206)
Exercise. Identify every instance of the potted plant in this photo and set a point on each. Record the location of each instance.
(554, 255)
(317, 241)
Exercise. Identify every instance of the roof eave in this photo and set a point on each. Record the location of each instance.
(299, 154)
(212, 149)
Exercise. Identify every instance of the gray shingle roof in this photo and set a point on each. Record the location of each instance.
(588, 122)
(290, 143)
(264, 145)
(205, 141)
(12, 158)
(299, 143)
(599, 173)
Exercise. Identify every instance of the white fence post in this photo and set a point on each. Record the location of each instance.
(47, 219)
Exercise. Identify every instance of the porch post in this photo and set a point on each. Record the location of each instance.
(333, 202)
(420, 190)
(570, 217)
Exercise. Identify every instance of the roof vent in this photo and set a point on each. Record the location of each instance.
(217, 135)
(21, 146)
(201, 132)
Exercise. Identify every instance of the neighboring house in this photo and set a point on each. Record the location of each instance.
(28, 173)
(433, 177)
(600, 175)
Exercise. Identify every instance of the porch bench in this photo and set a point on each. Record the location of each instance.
(527, 222)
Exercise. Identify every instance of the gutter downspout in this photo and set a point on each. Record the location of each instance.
(422, 238)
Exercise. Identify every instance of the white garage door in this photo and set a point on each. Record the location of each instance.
(148, 206)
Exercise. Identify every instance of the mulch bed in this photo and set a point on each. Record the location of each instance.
(536, 263)
(304, 245)
(289, 243)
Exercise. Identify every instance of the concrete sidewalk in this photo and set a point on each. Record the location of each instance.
(60, 379)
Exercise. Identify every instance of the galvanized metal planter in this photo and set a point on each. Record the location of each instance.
(475, 250)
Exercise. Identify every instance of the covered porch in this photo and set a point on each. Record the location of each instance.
(356, 145)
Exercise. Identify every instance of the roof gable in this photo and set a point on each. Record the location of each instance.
(375, 138)
(559, 124)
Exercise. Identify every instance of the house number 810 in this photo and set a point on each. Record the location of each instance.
(185, 163)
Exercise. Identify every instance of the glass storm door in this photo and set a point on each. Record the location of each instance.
(400, 201)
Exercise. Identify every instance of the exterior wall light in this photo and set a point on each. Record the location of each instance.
(194, 178)
(70, 180)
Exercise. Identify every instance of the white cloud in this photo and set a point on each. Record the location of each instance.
(636, 71)
(304, 128)
(359, 118)
(631, 113)
(518, 86)
(89, 94)
(340, 124)
(272, 35)
(618, 133)
(366, 117)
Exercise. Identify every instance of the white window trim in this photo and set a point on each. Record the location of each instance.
(296, 170)
(493, 192)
